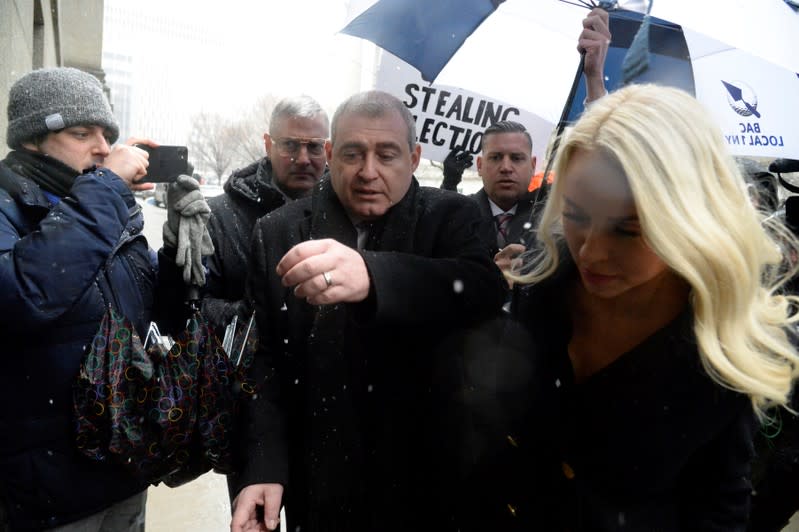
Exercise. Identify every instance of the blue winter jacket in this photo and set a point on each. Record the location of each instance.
(61, 264)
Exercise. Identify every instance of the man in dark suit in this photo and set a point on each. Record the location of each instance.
(506, 164)
(354, 289)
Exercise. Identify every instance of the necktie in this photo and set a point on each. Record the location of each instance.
(502, 221)
(363, 229)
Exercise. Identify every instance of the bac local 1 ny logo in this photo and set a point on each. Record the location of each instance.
(743, 100)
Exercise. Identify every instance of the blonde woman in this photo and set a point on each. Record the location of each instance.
(659, 331)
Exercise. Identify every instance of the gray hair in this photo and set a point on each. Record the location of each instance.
(302, 106)
(375, 104)
(508, 126)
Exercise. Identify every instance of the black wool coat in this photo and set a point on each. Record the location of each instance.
(249, 194)
(648, 443)
(350, 418)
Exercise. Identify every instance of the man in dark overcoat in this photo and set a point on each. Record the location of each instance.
(294, 163)
(354, 288)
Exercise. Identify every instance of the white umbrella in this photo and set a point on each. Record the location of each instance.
(494, 72)
(767, 29)
(755, 102)
(450, 117)
(524, 55)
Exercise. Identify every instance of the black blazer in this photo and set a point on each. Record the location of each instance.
(649, 443)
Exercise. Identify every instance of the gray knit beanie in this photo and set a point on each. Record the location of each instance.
(52, 99)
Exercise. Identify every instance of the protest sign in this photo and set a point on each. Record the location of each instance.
(450, 117)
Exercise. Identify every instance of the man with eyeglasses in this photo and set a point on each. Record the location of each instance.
(294, 162)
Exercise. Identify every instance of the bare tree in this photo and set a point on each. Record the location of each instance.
(250, 128)
(211, 144)
(218, 145)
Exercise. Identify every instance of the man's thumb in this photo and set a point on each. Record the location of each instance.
(271, 524)
(272, 517)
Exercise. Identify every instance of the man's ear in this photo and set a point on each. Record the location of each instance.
(533, 161)
(268, 145)
(328, 150)
(479, 165)
(30, 146)
(416, 156)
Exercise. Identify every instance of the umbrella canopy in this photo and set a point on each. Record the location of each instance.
(450, 118)
(522, 54)
(422, 33)
(753, 101)
(765, 29)
(469, 95)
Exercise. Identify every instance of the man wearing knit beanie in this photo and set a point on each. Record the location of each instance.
(60, 116)
(52, 99)
(70, 247)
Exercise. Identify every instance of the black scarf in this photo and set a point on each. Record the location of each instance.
(394, 231)
(50, 174)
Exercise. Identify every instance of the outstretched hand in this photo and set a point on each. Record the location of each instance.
(454, 164)
(325, 272)
(507, 259)
(245, 508)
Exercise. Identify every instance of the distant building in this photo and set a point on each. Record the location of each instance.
(146, 47)
(167, 62)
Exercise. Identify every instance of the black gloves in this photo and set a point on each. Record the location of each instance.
(456, 162)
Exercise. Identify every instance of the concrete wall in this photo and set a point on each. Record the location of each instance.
(47, 33)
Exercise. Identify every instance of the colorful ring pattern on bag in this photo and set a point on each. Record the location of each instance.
(166, 416)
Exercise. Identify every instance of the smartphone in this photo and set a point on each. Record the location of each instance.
(166, 163)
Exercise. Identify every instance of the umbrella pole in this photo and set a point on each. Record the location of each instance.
(543, 190)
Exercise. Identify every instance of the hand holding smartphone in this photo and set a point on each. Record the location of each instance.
(166, 163)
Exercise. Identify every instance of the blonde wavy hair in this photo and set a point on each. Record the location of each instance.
(696, 215)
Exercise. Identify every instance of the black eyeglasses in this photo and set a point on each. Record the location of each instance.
(290, 146)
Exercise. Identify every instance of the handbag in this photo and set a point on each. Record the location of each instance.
(166, 412)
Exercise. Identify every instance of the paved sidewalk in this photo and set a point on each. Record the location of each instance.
(202, 506)
(199, 506)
